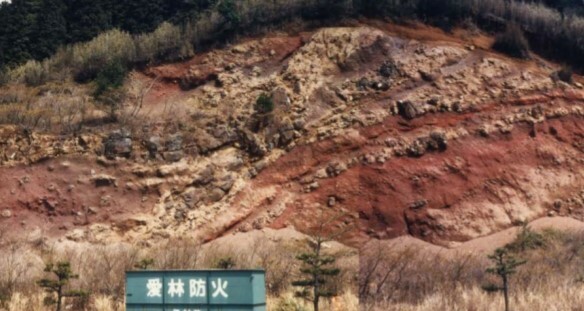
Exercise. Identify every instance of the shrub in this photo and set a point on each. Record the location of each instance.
(512, 42)
(167, 42)
(224, 263)
(229, 10)
(565, 74)
(32, 73)
(112, 76)
(288, 303)
(89, 57)
(264, 104)
(526, 239)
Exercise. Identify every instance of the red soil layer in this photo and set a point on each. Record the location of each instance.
(470, 170)
(58, 195)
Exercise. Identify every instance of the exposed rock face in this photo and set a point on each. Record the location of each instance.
(174, 148)
(118, 144)
(398, 136)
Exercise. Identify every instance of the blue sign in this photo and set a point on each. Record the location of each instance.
(197, 290)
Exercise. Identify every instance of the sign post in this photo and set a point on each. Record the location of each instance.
(196, 290)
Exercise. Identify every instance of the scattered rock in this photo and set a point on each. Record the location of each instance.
(103, 180)
(153, 145)
(205, 176)
(6, 213)
(76, 235)
(332, 201)
(363, 84)
(426, 76)
(174, 148)
(418, 204)
(191, 197)
(437, 142)
(252, 143)
(388, 69)
(407, 110)
(216, 195)
(226, 183)
(118, 144)
(379, 85)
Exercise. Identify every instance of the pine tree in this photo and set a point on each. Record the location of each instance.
(87, 18)
(19, 29)
(62, 270)
(51, 28)
(318, 267)
(139, 16)
(504, 266)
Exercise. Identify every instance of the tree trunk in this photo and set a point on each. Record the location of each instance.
(506, 292)
(59, 298)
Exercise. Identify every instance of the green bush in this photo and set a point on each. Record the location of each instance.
(88, 58)
(32, 73)
(512, 42)
(229, 10)
(112, 76)
(167, 42)
(526, 239)
(264, 104)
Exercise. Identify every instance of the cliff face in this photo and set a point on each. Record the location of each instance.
(390, 131)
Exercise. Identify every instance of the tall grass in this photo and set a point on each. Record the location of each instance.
(417, 279)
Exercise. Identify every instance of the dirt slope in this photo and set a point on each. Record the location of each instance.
(400, 130)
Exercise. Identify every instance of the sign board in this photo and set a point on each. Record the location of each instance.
(196, 290)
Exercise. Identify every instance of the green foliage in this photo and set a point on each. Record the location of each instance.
(224, 263)
(228, 9)
(112, 76)
(63, 273)
(88, 59)
(512, 42)
(167, 42)
(526, 240)
(264, 104)
(32, 73)
(504, 265)
(317, 268)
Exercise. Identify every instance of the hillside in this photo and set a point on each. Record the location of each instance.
(402, 133)
(432, 136)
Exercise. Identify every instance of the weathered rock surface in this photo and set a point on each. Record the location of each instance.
(400, 136)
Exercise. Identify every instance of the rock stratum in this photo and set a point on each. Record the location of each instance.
(386, 130)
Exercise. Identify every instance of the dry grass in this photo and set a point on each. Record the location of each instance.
(101, 269)
(555, 297)
(414, 279)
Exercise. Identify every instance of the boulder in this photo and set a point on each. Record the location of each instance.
(191, 197)
(388, 69)
(118, 144)
(103, 180)
(216, 195)
(407, 110)
(6, 213)
(205, 176)
(252, 143)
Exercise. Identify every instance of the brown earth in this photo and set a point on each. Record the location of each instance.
(394, 130)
